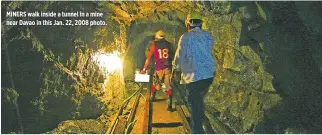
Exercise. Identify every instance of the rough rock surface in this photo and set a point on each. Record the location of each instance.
(268, 54)
(268, 62)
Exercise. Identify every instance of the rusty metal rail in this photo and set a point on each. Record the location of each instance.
(146, 121)
(122, 122)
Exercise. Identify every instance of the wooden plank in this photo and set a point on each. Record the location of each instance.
(164, 121)
(146, 116)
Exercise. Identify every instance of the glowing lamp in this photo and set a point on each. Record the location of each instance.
(108, 63)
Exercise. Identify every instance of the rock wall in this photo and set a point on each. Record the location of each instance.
(268, 55)
(270, 79)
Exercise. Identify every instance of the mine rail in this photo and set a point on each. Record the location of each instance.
(124, 121)
(180, 105)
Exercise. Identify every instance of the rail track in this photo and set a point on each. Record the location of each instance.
(124, 121)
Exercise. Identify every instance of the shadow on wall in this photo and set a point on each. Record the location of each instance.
(296, 76)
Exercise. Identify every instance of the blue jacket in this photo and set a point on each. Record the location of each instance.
(193, 56)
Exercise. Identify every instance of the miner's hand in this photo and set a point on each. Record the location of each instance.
(142, 71)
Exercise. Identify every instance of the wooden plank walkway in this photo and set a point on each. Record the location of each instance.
(163, 121)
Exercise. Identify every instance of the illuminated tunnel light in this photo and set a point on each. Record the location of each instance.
(109, 63)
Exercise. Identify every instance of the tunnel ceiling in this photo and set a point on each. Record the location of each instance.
(268, 56)
(147, 11)
(142, 19)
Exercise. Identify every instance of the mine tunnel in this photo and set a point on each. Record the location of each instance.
(77, 76)
(143, 34)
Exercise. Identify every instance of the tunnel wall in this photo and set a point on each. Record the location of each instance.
(268, 57)
(269, 80)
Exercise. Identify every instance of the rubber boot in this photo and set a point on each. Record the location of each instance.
(153, 96)
(170, 103)
(154, 90)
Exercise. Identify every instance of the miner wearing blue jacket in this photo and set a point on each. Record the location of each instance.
(193, 57)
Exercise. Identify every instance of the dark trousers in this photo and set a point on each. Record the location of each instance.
(196, 92)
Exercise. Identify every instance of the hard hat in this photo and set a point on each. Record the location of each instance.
(160, 34)
(193, 15)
